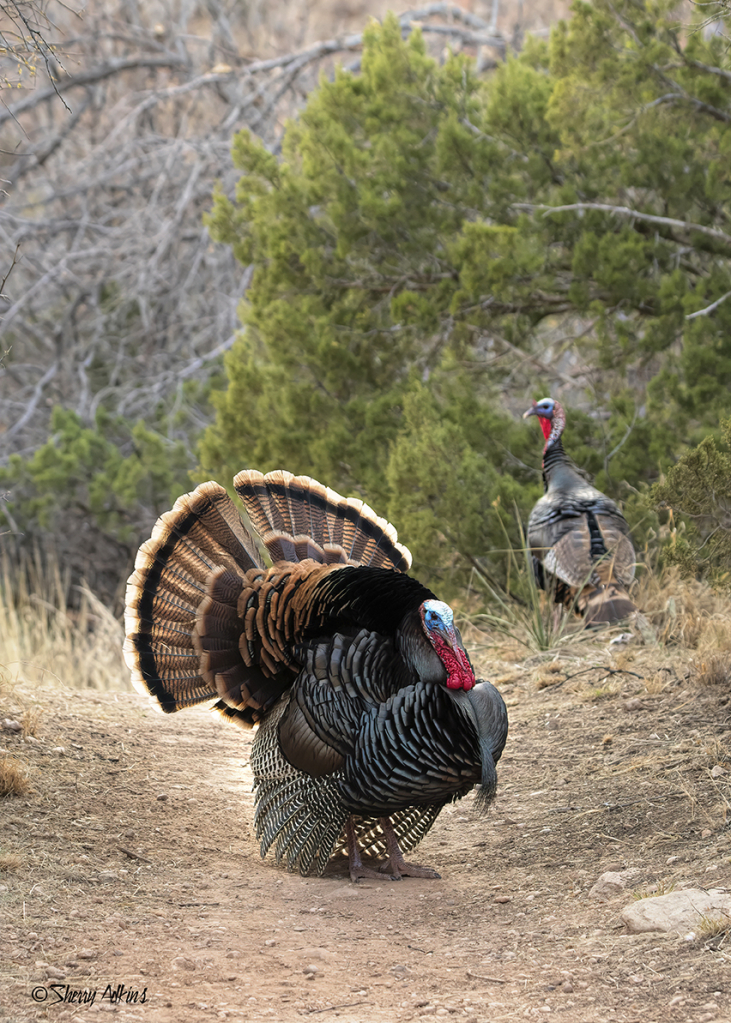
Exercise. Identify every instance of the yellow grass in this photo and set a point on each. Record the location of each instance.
(52, 633)
(13, 779)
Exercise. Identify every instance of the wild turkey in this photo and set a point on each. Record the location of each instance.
(369, 718)
(578, 536)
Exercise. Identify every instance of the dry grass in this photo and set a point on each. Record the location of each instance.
(683, 612)
(10, 862)
(13, 779)
(663, 887)
(42, 640)
(711, 926)
(711, 669)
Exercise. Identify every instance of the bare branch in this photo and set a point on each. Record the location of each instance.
(625, 211)
(709, 308)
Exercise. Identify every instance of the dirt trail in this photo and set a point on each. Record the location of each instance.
(135, 864)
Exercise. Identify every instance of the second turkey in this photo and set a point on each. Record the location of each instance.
(579, 538)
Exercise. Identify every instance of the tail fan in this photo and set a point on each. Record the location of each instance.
(190, 572)
(609, 603)
(297, 517)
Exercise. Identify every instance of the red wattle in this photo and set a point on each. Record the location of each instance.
(459, 673)
(546, 426)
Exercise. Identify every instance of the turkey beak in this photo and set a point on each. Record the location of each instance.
(531, 412)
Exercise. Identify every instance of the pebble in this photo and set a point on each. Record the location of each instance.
(672, 859)
(503, 899)
(108, 875)
(12, 726)
(706, 833)
(53, 973)
(233, 954)
(310, 970)
(181, 963)
(162, 797)
(717, 771)
(85, 953)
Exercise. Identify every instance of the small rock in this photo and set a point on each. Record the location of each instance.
(233, 954)
(12, 726)
(181, 963)
(623, 637)
(85, 953)
(58, 749)
(609, 884)
(706, 833)
(678, 911)
(162, 797)
(718, 771)
(31, 739)
(311, 969)
(633, 704)
(108, 875)
(502, 899)
(672, 859)
(567, 987)
(53, 973)
(270, 941)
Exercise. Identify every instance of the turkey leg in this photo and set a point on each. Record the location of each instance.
(396, 865)
(357, 870)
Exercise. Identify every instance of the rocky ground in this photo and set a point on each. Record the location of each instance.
(130, 861)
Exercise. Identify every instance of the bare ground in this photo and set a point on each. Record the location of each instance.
(131, 861)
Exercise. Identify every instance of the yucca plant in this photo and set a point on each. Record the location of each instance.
(524, 612)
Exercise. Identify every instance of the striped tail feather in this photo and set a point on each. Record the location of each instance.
(199, 541)
(296, 515)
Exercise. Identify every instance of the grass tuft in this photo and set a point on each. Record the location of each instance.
(523, 612)
(711, 926)
(13, 779)
(10, 862)
(661, 888)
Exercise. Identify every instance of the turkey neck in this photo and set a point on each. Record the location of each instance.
(558, 471)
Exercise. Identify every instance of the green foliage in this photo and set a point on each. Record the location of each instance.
(95, 491)
(410, 291)
(697, 490)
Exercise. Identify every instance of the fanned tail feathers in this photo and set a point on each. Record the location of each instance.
(201, 536)
(205, 620)
(297, 517)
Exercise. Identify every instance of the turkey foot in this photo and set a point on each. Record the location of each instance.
(396, 865)
(355, 863)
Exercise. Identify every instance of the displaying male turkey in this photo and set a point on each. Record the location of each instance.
(369, 718)
(578, 536)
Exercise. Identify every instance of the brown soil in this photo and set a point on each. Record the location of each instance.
(192, 916)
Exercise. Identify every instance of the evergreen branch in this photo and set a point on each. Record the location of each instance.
(625, 211)
(708, 68)
(684, 97)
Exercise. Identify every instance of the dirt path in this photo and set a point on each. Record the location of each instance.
(133, 863)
